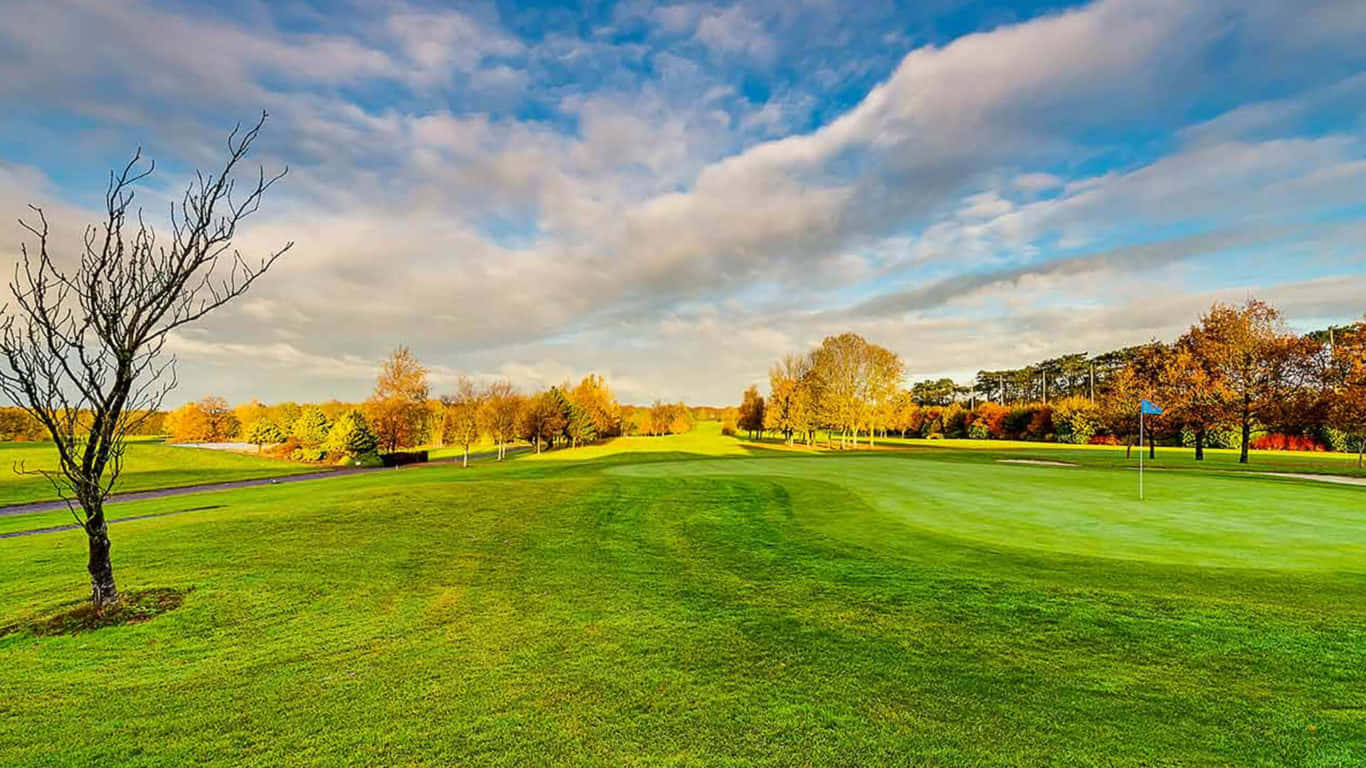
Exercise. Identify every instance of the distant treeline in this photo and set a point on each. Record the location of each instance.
(16, 424)
(1237, 379)
(403, 413)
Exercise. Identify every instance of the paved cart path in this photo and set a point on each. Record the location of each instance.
(160, 493)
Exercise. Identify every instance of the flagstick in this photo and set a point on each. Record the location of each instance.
(1140, 453)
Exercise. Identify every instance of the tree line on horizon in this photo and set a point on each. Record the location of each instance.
(1238, 378)
(402, 413)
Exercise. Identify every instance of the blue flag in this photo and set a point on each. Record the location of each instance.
(1147, 406)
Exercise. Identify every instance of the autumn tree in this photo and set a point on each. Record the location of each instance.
(855, 378)
(1244, 348)
(884, 371)
(462, 412)
(350, 436)
(1193, 395)
(1347, 382)
(904, 413)
(17, 424)
(82, 347)
(311, 428)
(500, 414)
(1136, 380)
(752, 412)
(542, 419)
(580, 428)
(593, 397)
(209, 420)
(397, 409)
(285, 414)
(249, 413)
(263, 431)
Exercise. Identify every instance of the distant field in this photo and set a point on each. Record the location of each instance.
(696, 600)
(148, 464)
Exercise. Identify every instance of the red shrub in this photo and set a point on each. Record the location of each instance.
(1103, 440)
(993, 416)
(1040, 423)
(1279, 442)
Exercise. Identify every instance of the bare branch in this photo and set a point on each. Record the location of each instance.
(80, 351)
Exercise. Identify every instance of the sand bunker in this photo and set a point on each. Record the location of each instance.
(1340, 479)
(1037, 462)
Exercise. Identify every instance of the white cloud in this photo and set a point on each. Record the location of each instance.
(497, 244)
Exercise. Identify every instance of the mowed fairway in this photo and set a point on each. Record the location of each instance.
(695, 601)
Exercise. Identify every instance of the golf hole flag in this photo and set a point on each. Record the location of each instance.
(1145, 407)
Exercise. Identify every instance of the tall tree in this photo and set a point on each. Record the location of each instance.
(82, 349)
(839, 363)
(462, 416)
(1347, 382)
(595, 399)
(752, 412)
(397, 410)
(542, 419)
(1137, 379)
(856, 382)
(580, 428)
(1193, 396)
(933, 392)
(785, 410)
(1245, 348)
(884, 371)
(500, 413)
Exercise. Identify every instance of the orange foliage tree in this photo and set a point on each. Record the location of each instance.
(1347, 381)
(397, 410)
(209, 420)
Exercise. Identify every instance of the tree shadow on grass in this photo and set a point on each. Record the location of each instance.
(74, 618)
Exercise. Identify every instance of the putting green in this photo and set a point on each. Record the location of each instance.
(1188, 518)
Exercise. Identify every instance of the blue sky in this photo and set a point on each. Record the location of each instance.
(675, 194)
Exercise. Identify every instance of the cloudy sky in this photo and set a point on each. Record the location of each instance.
(674, 194)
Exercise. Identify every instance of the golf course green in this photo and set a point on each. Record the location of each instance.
(699, 600)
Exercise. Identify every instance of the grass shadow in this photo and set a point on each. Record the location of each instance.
(74, 618)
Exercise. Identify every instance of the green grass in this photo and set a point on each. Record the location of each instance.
(147, 465)
(697, 601)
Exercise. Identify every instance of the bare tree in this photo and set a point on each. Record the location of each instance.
(82, 350)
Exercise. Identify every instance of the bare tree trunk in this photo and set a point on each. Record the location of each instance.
(465, 463)
(1152, 446)
(1200, 444)
(103, 592)
(1129, 447)
(1361, 450)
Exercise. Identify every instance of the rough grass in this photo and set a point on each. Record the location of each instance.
(709, 603)
(147, 465)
